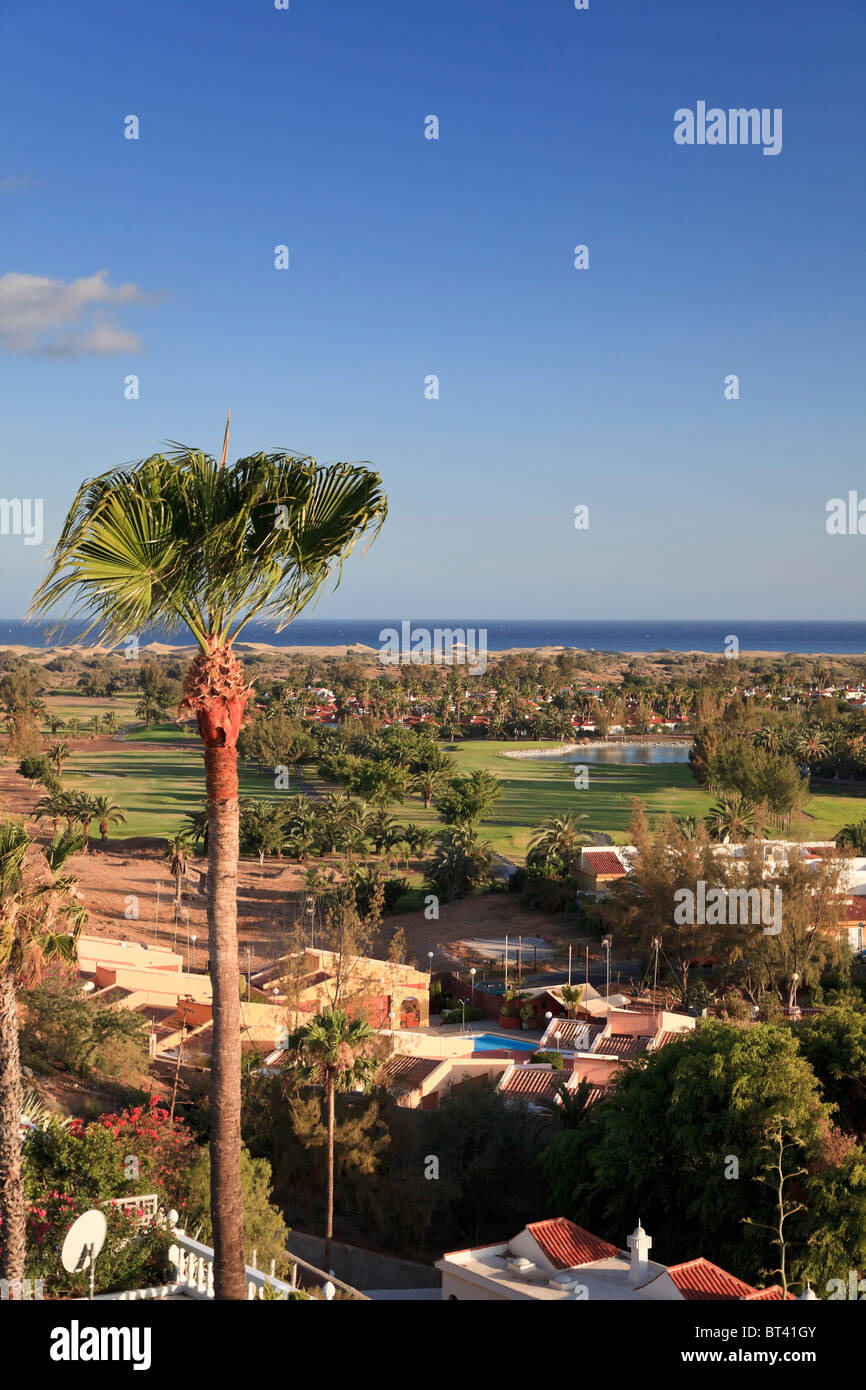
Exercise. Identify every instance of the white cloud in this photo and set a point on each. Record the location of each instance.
(33, 310)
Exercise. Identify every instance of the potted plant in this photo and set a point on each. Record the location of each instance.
(509, 1015)
(527, 1016)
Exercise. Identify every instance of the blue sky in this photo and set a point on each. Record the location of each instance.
(409, 257)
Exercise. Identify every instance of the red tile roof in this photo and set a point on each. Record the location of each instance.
(530, 1079)
(700, 1279)
(603, 863)
(854, 910)
(620, 1045)
(774, 1292)
(406, 1073)
(567, 1245)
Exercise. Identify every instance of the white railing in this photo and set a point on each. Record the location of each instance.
(192, 1263)
(149, 1205)
(20, 1290)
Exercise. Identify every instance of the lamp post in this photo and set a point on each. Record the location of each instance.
(430, 958)
(472, 994)
(193, 939)
(156, 918)
(794, 978)
(607, 942)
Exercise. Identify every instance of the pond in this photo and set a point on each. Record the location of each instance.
(618, 754)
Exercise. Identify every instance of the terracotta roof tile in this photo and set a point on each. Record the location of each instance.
(530, 1079)
(621, 1045)
(567, 1245)
(604, 863)
(700, 1279)
(404, 1072)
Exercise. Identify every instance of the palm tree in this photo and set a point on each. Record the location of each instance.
(558, 839)
(812, 745)
(107, 813)
(57, 755)
(40, 919)
(419, 838)
(336, 818)
(333, 1050)
(459, 861)
(428, 784)
(182, 541)
(55, 724)
(571, 998)
(569, 1106)
(383, 830)
(731, 819)
(178, 848)
(853, 836)
(196, 824)
(86, 811)
(53, 808)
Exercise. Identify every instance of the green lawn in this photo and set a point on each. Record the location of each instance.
(156, 785)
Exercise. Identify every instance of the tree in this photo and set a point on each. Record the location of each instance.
(40, 918)
(732, 819)
(557, 842)
(57, 756)
(853, 836)
(334, 1050)
(569, 1105)
(662, 1144)
(571, 998)
(428, 783)
(183, 541)
(107, 813)
(86, 811)
(468, 800)
(261, 829)
(459, 862)
(178, 848)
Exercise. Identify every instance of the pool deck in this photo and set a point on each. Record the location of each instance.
(451, 1040)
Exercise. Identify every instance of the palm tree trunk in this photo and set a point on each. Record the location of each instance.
(329, 1223)
(12, 1233)
(226, 1197)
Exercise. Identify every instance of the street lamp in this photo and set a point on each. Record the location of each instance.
(607, 942)
(430, 958)
(472, 995)
(794, 978)
(193, 939)
(156, 918)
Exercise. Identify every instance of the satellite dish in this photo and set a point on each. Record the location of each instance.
(84, 1240)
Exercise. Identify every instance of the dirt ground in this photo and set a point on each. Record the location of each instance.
(119, 879)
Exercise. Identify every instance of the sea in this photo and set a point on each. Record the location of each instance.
(649, 635)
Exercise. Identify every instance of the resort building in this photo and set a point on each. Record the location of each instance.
(556, 1261)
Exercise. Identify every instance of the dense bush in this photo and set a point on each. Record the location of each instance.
(64, 1027)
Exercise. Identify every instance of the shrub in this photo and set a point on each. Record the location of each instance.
(553, 1058)
(64, 1027)
(456, 1015)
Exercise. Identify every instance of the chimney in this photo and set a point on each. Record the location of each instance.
(639, 1244)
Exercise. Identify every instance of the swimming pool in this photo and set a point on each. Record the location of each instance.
(495, 1042)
